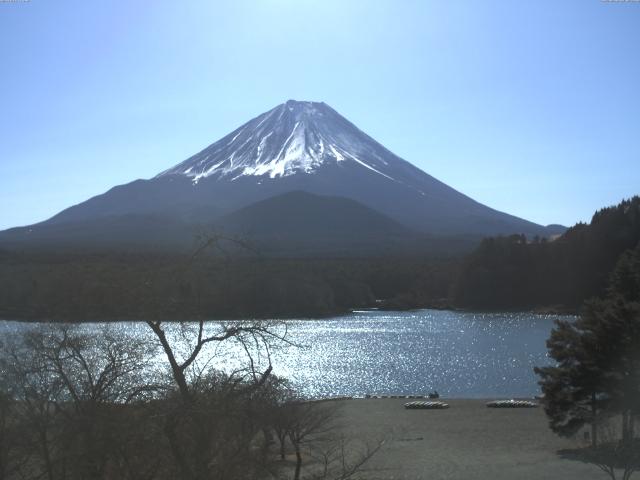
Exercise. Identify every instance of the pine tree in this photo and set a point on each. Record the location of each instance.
(598, 359)
(573, 389)
(613, 342)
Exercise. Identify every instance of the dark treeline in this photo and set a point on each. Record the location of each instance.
(126, 286)
(516, 273)
(503, 273)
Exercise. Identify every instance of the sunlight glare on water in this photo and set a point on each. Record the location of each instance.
(459, 354)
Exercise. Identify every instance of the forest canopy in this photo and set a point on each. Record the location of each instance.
(502, 273)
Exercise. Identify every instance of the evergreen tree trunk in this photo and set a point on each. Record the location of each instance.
(594, 421)
(46, 454)
(282, 439)
(625, 427)
(298, 463)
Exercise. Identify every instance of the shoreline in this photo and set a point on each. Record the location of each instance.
(444, 398)
(334, 315)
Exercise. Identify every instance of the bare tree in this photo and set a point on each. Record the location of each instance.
(194, 425)
(309, 422)
(68, 390)
(280, 414)
(613, 455)
(313, 429)
(13, 452)
(342, 459)
(195, 435)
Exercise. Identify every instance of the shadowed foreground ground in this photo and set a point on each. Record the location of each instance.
(467, 441)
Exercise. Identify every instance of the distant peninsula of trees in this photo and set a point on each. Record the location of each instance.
(502, 273)
(516, 273)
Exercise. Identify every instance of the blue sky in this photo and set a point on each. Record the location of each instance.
(532, 108)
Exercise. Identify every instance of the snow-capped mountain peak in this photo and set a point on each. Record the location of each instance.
(294, 137)
(293, 150)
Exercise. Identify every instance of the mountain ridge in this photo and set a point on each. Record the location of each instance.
(296, 146)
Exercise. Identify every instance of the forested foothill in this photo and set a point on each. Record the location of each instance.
(128, 286)
(503, 273)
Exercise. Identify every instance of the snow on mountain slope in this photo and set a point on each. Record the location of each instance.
(295, 137)
(296, 146)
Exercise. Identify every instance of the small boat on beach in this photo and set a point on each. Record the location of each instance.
(511, 404)
(426, 405)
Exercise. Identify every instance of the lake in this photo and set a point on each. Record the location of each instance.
(459, 354)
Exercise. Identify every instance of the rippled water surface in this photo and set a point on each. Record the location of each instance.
(459, 354)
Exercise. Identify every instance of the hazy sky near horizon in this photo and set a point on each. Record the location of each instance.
(532, 108)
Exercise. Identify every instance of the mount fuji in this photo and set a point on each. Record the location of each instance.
(301, 171)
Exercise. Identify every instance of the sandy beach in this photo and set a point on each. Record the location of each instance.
(466, 441)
